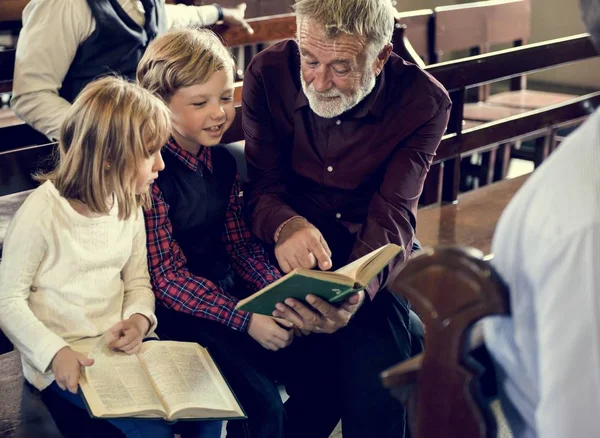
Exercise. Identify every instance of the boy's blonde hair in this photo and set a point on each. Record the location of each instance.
(181, 58)
(111, 128)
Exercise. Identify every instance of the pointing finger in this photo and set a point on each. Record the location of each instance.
(318, 250)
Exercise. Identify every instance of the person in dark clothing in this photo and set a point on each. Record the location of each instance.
(64, 45)
(340, 134)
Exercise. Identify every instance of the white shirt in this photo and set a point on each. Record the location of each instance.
(547, 248)
(65, 278)
(52, 32)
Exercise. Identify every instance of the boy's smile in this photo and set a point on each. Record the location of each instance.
(202, 113)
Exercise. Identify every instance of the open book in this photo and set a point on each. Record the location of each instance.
(169, 380)
(331, 286)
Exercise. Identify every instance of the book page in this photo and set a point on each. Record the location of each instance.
(380, 258)
(352, 269)
(183, 377)
(117, 385)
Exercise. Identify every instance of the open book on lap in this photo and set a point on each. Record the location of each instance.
(168, 380)
(331, 286)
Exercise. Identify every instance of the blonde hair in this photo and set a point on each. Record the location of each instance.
(371, 19)
(112, 126)
(181, 58)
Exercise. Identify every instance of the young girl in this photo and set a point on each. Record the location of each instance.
(74, 262)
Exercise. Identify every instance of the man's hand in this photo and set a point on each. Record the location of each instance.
(127, 335)
(319, 316)
(66, 366)
(235, 17)
(269, 333)
(301, 245)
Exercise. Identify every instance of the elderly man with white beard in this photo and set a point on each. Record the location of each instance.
(340, 134)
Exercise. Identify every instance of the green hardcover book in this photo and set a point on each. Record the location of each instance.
(331, 286)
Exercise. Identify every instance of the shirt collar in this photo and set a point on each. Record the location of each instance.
(374, 103)
(192, 162)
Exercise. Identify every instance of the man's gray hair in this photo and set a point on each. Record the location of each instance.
(370, 19)
(590, 11)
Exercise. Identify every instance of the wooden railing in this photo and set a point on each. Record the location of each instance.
(457, 76)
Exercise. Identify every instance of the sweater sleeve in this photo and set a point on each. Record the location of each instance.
(52, 32)
(184, 15)
(24, 248)
(139, 297)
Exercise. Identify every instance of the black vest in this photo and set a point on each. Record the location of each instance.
(116, 45)
(197, 205)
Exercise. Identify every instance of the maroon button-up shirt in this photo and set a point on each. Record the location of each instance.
(357, 177)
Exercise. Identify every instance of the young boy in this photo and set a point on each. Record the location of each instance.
(200, 251)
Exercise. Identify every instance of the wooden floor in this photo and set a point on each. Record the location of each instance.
(469, 222)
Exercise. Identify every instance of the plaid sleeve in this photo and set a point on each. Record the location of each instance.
(173, 284)
(250, 260)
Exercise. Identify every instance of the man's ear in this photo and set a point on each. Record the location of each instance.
(382, 58)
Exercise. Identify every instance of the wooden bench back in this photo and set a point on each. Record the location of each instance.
(480, 25)
(456, 76)
(450, 289)
(417, 25)
(271, 28)
(11, 10)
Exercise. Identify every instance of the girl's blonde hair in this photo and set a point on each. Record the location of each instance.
(180, 58)
(111, 128)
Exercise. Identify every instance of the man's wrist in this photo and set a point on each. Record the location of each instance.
(283, 224)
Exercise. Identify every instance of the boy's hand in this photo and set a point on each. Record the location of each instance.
(235, 17)
(66, 366)
(127, 335)
(269, 333)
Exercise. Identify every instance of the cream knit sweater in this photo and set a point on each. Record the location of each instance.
(66, 278)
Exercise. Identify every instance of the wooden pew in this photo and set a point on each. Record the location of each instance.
(489, 28)
(11, 10)
(416, 28)
(450, 288)
(456, 75)
(459, 75)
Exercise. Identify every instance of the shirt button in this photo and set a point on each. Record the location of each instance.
(338, 122)
(33, 289)
(329, 169)
(338, 215)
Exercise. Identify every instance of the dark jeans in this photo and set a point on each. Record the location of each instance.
(327, 377)
(144, 428)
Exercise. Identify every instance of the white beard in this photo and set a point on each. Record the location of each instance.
(329, 109)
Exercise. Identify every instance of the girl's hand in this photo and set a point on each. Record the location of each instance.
(66, 367)
(127, 335)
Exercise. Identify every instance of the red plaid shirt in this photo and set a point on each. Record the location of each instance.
(174, 285)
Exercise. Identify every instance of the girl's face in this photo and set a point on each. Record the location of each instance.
(202, 113)
(147, 172)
